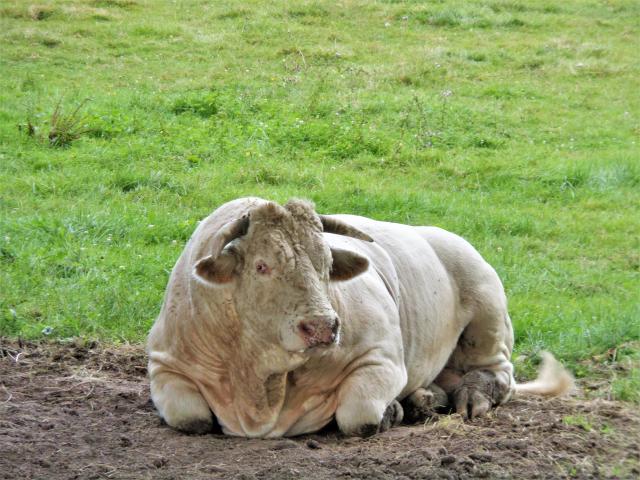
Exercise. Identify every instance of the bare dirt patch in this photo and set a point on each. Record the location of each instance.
(82, 410)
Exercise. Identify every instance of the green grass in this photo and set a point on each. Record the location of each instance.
(514, 124)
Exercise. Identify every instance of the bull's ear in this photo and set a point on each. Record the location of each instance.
(347, 264)
(216, 270)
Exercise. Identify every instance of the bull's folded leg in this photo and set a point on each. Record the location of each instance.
(180, 404)
(366, 401)
(424, 403)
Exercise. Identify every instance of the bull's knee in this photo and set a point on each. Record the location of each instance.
(480, 390)
(181, 405)
(366, 418)
(424, 403)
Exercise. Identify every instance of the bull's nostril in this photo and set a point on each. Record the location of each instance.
(306, 329)
(336, 327)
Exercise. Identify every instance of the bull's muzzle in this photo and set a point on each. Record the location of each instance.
(318, 331)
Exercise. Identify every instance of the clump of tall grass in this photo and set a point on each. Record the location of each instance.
(64, 128)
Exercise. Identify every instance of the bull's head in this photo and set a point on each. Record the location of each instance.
(279, 266)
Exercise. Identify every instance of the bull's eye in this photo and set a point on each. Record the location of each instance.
(262, 268)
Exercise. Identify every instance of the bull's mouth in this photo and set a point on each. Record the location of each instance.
(322, 345)
(308, 340)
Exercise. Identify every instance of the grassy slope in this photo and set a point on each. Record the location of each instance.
(514, 124)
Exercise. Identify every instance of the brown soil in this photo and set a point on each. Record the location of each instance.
(83, 411)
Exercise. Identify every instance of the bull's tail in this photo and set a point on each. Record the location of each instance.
(553, 379)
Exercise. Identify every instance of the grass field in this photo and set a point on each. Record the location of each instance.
(514, 124)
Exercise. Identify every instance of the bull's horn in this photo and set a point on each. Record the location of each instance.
(333, 225)
(234, 229)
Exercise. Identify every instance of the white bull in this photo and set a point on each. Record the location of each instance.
(277, 319)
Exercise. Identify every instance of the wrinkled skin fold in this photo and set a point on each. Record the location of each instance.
(277, 320)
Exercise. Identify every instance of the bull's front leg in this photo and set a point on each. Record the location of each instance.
(367, 398)
(180, 403)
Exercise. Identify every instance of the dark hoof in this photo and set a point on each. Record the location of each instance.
(425, 403)
(367, 430)
(196, 427)
(392, 416)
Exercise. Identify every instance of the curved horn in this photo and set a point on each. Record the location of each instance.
(234, 229)
(333, 225)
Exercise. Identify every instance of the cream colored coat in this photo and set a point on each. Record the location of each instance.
(428, 305)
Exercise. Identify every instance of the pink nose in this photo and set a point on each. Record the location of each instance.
(319, 330)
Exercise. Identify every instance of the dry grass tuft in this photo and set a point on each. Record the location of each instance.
(40, 12)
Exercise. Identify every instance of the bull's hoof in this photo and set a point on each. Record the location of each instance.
(196, 427)
(425, 403)
(366, 430)
(392, 416)
(478, 392)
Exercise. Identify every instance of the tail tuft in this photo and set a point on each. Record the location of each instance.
(553, 379)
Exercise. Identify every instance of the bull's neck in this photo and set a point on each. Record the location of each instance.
(258, 384)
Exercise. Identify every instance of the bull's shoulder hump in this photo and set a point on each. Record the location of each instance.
(231, 210)
(199, 242)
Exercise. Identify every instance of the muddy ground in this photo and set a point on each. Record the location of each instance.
(71, 410)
